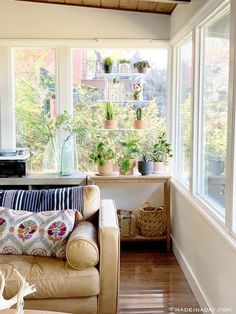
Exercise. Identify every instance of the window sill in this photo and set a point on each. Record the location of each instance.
(45, 179)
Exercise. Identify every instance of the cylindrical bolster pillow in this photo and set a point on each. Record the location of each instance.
(82, 248)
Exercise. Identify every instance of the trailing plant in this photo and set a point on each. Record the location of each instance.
(162, 149)
(101, 152)
(122, 61)
(141, 64)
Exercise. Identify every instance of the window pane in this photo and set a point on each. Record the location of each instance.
(214, 110)
(92, 88)
(184, 106)
(35, 100)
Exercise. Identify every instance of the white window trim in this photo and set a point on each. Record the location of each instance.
(207, 209)
(176, 119)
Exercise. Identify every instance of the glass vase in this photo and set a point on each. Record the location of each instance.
(69, 160)
(50, 158)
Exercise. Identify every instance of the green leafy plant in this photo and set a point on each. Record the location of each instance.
(162, 149)
(129, 150)
(101, 152)
(139, 114)
(108, 61)
(141, 64)
(109, 110)
(146, 156)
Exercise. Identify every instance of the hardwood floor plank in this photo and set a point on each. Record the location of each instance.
(152, 282)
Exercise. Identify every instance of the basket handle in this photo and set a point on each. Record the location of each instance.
(145, 203)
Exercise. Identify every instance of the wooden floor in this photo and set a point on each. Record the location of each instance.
(152, 282)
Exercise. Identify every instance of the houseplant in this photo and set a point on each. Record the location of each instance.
(145, 165)
(103, 155)
(141, 66)
(160, 153)
(124, 65)
(137, 91)
(107, 64)
(129, 150)
(139, 123)
(109, 122)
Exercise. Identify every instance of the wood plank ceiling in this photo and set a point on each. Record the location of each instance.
(150, 6)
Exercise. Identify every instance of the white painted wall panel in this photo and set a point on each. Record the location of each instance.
(32, 20)
(209, 258)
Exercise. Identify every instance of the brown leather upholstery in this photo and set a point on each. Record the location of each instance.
(60, 287)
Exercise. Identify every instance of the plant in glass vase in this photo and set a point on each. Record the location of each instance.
(68, 157)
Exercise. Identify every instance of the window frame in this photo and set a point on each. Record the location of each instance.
(177, 50)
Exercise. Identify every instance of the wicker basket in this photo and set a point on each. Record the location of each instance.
(127, 222)
(152, 221)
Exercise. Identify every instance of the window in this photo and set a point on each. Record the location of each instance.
(35, 100)
(184, 125)
(91, 89)
(213, 110)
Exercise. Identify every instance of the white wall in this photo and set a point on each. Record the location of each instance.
(207, 259)
(32, 20)
(183, 13)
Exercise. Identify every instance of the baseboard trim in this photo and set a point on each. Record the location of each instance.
(192, 280)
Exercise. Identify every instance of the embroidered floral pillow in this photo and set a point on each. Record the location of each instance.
(42, 234)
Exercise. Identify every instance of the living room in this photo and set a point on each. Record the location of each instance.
(51, 70)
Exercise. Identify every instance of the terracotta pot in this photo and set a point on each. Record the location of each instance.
(106, 169)
(142, 69)
(140, 124)
(110, 124)
(158, 167)
(131, 168)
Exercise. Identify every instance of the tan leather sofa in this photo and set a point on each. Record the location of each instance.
(93, 290)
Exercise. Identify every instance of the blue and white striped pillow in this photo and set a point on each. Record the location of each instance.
(43, 200)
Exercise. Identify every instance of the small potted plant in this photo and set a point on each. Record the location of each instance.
(145, 165)
(139, 123)
(137, 91)
(127, 159)
(103, 155)
(124, 65)
(107, 64)
(141, 66)
(160, 153)
(109, 122)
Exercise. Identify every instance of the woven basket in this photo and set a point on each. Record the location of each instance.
(152, 221)
(127, 222)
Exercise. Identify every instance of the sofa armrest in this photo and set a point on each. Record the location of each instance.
(109, 242)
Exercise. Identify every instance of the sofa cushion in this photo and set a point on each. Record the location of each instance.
(85, 199)
(53, 278)
(82, 248)
(43, 234)
(43, 200)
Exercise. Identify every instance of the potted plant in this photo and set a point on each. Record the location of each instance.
(137, 91)
(110, 123)
(124, 65)
(139, 123)
(160, 153)
(103, 155)
(141, 66)
(127, 160)
(107, 64)
(145, 165)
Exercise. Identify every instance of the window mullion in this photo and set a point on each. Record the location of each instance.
(7, 117)
(230, 204)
